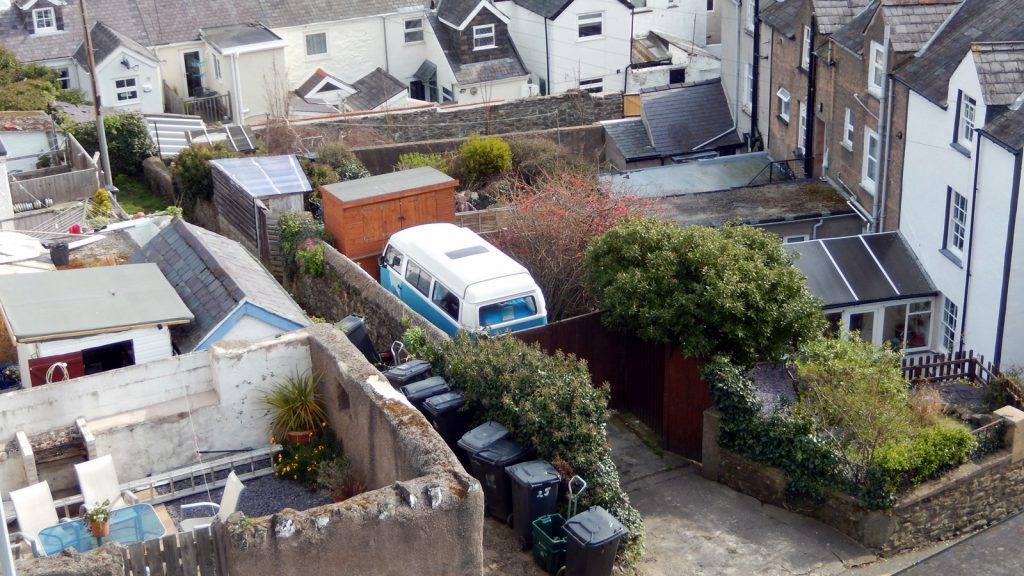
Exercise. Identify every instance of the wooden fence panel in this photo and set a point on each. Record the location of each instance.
(154, 559)
(685, 400)
(187, 543)
(183, 554)
(66, 187)
(205, 556)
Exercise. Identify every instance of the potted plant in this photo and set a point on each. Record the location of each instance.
(295, 410)
(98, 519)
(335, 477)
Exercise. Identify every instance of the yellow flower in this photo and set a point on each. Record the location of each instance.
(296, 476)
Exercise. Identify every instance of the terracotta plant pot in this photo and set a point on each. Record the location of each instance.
(99, 530)
(303, 437)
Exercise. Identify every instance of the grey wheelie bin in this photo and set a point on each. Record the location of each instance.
(419, 391)
(445, 415)
(593, 538)
(477, 439)
(408, 372)
(534, 494)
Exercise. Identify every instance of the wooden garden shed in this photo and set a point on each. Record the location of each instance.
(362, 214)
(251, 194)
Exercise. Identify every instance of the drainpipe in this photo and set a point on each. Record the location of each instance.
(1007, 259)
(238, 90)
(737, 104)
(970, 245)
(884, 111)
(384, 29)
(755, 134)
(547, 54)
(629, 64)
(808, 134)
(814, 229)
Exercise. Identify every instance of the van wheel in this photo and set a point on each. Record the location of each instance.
(510, 520)
(561, 571)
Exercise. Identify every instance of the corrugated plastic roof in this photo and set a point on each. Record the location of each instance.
(262, 176)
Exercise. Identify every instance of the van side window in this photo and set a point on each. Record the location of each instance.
(446, 301)
(418, 278)
(509, 310)
(393, 258)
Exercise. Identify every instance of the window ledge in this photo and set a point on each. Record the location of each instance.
(960, 148)
(783, 119)
(868, 186)
(746, 109)
(484, 48)
(324, 56)
(848, 146)
(875, 91)
(590, 38)
(749, 31)
(952, 257)
(414, 42)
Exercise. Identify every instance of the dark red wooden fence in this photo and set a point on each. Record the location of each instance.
(653, 382)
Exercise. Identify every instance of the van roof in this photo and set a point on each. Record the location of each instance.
(455, 256)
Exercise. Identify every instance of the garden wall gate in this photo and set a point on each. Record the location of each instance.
(653, 382)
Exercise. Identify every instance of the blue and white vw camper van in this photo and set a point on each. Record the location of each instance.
(457, 280)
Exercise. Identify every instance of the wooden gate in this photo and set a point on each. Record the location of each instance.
(186, 554)
(653, 382)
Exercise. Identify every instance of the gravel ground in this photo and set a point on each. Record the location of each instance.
(262, 496)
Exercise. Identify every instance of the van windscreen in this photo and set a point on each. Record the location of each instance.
(513, 309)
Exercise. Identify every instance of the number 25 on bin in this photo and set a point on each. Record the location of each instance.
(544, 493)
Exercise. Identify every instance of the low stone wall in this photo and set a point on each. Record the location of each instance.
(346, 289)
(586, 141)
(973, 496)
(158, 179)
(543, 113)
(425, 515)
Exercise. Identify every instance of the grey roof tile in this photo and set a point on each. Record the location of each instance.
(851, 34)
(1008, 128)
(105, 40)
(631, 138)
(683, 117)
(504, 60)
(550, 9)
(374, 89)
(455, 12)
(781, 16)
(1000, 68)
(912, 25)
(973, 21)
(212, 274)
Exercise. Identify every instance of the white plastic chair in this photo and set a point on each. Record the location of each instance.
(35, 510)
(97, 479)
(228, 504)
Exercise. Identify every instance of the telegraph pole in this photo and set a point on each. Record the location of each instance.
(101, 135)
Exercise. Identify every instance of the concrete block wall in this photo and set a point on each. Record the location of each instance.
(423, 516)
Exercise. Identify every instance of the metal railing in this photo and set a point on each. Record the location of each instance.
(779, 171)
(212, 108)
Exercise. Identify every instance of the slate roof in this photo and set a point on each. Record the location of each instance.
(212, 275)
(684, 118)
(1000, 68)
(832, 14)
(781, 16)
(912, 25)
(374, 89)
(504, 62)
(25, 121)
(928, 74)
(631, 138)
(1008, 128)
(315, 79)
(755, 205)
(851, 35)
(551, 9)
(284, 13)
(455, 12)
(105, 40)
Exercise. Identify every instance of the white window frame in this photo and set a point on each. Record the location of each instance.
(784, 104)
(748, 86)
(950, 312)
(968, 119)
(44, 14)
(484, 37)
(795, 238)
(118, 90)
(306, 39)
(589, 19)
(801, 130)
(592, 85)
(413, 30)
(876, 69)
(64, 77)
(878, 320)
(849, 130)
(216, 67)
(956, 227)
(805, 55)
(868, 182)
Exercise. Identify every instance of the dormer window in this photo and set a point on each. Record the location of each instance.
(44, 20)
(483, 37)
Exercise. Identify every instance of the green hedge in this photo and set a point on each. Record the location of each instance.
(545, 401)
(294, 229)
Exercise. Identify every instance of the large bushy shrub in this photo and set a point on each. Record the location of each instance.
(341, 160)
(192, 171)
(481, 159)
(732, 290)
(536, 159)
(128, 141)
(411, 160)
(545, 401)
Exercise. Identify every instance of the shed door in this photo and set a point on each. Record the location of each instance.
(37, 368)
(416, 210)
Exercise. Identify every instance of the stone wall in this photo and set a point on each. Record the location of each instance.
(541, 113)
(423, 516)
(585, 141)
(346, 289)
(973, 496)
(158, 179)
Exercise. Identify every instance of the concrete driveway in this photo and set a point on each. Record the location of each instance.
(696, 526)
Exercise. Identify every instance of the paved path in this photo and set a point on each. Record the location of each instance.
(696, 526)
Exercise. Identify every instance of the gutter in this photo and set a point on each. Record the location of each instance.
(808, 134)
(755, 134)
(547, 56)
(887, 115)
(883, 136)
(1007, 259)
(970, 246)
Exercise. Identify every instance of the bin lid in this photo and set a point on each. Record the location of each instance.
(594, 527)
(482, 436)
(534, 473)
(423, 389)
(444, 403)
(406, 369)
(503, 452)
(350, 323)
